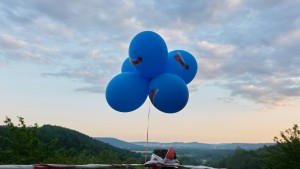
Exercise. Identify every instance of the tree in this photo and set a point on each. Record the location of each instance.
(21, 145)
(286, 152)
(243, 159)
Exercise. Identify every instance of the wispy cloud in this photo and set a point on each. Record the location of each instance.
(247, 47)
(10, 42)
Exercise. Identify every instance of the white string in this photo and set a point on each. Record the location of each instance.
(146, 153)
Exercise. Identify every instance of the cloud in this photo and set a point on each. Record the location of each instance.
(268, 91)
(94, 53)
(227, 99)
(288, 38)
(217, 50)
(247, 47)
(93, 77)
(17, 49)
(92, 89)
(8, 41)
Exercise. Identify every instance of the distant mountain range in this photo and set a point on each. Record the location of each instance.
(179, 145)
(120, 144)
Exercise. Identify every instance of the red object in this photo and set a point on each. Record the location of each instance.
(178, 58)
(152, 95)
(47, 166)
(137, 61)
(170, 154)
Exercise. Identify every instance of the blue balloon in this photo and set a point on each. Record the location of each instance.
(148, 53)
(127, 91)
(168, 93)
(182, 64)
(127, 66)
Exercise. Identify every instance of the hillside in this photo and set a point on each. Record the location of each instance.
(71, 139)
(55, 144)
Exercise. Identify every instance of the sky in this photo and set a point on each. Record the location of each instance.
(57, 57)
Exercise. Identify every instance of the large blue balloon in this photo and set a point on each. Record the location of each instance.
(127, 91)
(168, 93)
(182, 64)
(127, 66)
(148, 53)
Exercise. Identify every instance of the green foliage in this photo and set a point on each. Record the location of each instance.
(88, 149)
(21, 144)
(243, 159)
(286, 153)
(202, 156)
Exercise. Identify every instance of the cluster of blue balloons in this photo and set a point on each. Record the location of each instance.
(151, 71)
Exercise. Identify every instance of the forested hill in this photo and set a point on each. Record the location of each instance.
(21, 144)
(71, 139)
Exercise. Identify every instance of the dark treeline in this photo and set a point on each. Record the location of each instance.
(202, 156)
(21, 144)
(284, 154)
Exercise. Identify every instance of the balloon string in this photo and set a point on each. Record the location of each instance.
(146, 155)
